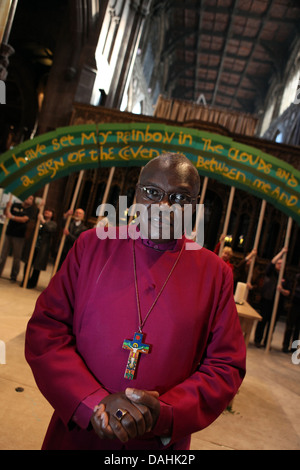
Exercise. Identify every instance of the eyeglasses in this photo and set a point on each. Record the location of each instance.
(155, 194)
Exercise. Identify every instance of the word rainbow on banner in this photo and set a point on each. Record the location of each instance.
(35, 163)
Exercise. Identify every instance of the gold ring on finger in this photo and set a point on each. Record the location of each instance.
(120, 413)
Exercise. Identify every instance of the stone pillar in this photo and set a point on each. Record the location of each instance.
(5, 51)
(138, 10)
(7, 13)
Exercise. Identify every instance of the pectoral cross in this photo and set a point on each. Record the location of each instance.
(136, 347)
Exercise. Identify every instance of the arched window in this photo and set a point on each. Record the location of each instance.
(137, 108)
(279, 137)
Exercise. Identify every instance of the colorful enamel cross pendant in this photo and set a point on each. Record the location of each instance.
(136, 347)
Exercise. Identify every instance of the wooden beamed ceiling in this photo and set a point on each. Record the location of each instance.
(227, 50)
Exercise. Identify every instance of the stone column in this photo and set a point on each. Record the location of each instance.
(7, 13)
(138, 10)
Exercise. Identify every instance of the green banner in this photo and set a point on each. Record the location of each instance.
(36, 162)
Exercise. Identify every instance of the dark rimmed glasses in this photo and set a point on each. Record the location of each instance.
(154, 194)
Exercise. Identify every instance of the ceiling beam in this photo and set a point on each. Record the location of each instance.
(189, 32)
(210, 52)
(225, 85)
(228, 37)
(277, 53)
(198, 49)
(178, 4)
(264, 19)
(248, 75)
(179, 70)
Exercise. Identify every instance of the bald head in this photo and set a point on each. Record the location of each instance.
(168, 189)
(175, 166)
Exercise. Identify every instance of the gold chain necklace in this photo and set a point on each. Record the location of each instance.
(136, 346)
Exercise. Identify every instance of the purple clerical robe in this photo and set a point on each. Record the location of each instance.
(75, 336)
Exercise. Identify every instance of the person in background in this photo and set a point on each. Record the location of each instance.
(227, 252)
(292, 327)
(19, 215)
(267, 298)
(43, 245)
(240, 271)
(75, 229)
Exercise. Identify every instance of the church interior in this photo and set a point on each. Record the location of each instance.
(230, 68)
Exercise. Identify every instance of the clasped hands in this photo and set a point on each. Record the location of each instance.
(142, 410)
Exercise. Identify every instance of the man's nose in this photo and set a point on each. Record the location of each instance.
(165, 201)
